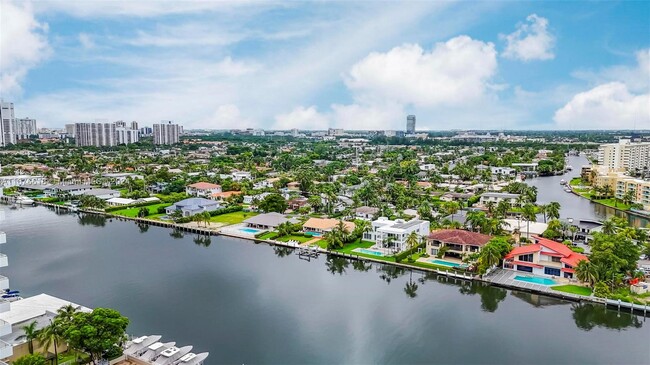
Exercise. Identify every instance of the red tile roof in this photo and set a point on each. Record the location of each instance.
(523, 250)
(204, 186)
(459, 236)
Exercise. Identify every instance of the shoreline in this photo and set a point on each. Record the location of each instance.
(639, 309)
(629, 212)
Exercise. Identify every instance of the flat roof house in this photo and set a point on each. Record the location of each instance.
(323, 225)
(459, 242)
(394, 234)
(74, 189)
(104, 194)
(266, 221)
(191, 206)
(203, 189)
(496, 198)
(544, 257)
(366, 212)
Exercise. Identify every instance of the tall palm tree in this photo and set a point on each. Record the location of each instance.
(412, 241)
(490, 255)
(66, 313)
(609, 227)
(31, 333)
(361, 227)
(586, 272)
(50, 335)
(475, 219)
(528, 212)
(552, 210)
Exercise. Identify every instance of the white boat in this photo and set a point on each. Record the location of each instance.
(23, 200)
(562, 182)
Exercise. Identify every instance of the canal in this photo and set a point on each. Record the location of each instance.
(572, 206)
(252, 303)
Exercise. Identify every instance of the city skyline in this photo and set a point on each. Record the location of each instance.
(359, 66)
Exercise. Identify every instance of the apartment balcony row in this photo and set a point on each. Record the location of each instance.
(4, 260)
(3, 237)
(6, 350)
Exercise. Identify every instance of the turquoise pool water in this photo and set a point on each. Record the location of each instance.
(536, 280)
(445, 263)
(368, 252)
(250, 230)
(314, 234)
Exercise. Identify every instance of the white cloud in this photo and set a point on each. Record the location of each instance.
(369, 117)
(637, 78)
(228, 116)
(453, 72)
(531, 41)
(23, 43)
(607, 106)
(302, 118)
(184, 35)
(86, 41)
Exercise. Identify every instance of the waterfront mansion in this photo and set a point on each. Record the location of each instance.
(388, 233)
(544, 257)
(456, 243)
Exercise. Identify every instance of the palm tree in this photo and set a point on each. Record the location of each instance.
(475, 219)
(490, 255)
(66, 313)
(528, 212)
(552, 211)
(609, 227)
(586, 272)
(50, 335)
(412, 241)
(31, 333)
(362, 226)
(628, 197)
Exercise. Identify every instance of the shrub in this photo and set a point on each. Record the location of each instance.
(161, 210)
(404, 254)
(578, 249)
(602, 290)
(232, 209)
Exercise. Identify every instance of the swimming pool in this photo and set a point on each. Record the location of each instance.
(368, 252)
(313, 234)
(445, 263)
(536, 280)
(250, 230)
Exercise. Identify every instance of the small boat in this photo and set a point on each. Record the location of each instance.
(23, 200)
(569, 168)
(568, 190)
(562, 182)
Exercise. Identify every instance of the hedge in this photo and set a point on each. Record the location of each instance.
(404, 254)
(232, 209)
(126, 206)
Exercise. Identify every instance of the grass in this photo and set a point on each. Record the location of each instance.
(291, 237)
(573, 289)
(354, 245)
(576, 181)
(72, 355)
(427, 265)
(232, 218)
(133, 212)
(267, 235)
(611, 202)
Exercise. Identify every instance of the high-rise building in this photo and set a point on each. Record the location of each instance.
(134, 125)
(25, 127)
(69, 130)
(410, 124)
(624, 155)
(100, 134)
(166, 133)
(7, 120)
(146, 131)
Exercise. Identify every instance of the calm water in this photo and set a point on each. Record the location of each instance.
(248, 303)
(573, 206)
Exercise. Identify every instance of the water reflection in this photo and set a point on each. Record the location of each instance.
(143, 227)
(362, 266)
(96, 220)
(589, 315)
(176, 234)
(491, 296)
(281, 251)
(389, 272)
(336, 264)
(411, 288)
(536, 300)
(203, 240)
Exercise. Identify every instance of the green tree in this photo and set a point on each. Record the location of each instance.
(529, 213)
(412, 240)
(586, 272)
(31, 333)
(50, 336)
(553, 210)
(96, 333)
(143, 212)
(273, 203)
(32, 359)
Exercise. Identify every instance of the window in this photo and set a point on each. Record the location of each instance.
(555, 259)
(524, 268)
(526, 258)
(551, 271)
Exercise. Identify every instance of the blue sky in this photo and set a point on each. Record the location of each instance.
(313, 65)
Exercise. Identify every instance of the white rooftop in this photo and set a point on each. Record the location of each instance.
(36, 306)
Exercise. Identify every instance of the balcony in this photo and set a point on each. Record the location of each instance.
(6, 350)
(5, 328)
(4, 282)
(4, 260)
(3, 237)
(550, 264)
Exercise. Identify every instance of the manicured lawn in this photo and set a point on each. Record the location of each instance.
(266, 235)
(232, 218)
(611, 202)
(354, 245)
(576, 181)
(573, 289)
(133, 212)
(431, 266)
(301, 239)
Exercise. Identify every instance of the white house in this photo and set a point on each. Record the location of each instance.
(192, 206)
(365, 212)
(248, 199)
(388, 233)
(240, 175)
(202, 189)
(496, 198)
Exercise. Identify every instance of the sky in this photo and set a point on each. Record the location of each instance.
(498, 65)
